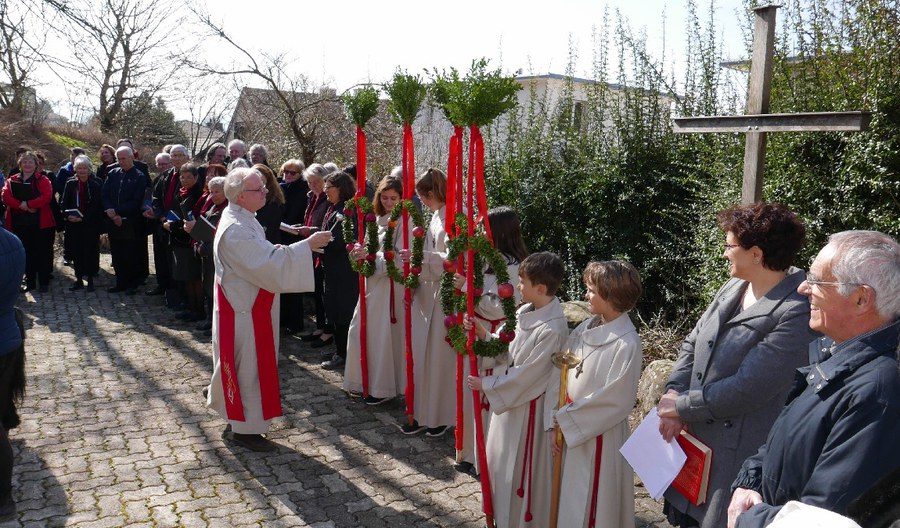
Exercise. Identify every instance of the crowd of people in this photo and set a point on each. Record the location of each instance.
(791, 378)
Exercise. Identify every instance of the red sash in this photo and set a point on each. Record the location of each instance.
(269, 389)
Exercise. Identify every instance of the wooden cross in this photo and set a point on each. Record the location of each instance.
(757, 122)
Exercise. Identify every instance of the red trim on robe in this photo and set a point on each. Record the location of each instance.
(267, 368)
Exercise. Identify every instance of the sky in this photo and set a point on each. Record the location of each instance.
(341, 43)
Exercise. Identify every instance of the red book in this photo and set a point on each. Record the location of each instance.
(693, 480)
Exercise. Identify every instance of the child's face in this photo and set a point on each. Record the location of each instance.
(429, 201)
(597, 304)
(531, 292)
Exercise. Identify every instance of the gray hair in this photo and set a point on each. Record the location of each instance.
(257, 146)
(162, 156)
(129, 150)
(316, 170)
(397, 171)
(211, 151)
(239, 163)
(234, 182)
(331, 167)
(870, 258)
(83, 160)
(237, 142)
(181, 148)
(218, 181)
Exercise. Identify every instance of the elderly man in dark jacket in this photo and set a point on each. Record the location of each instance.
(839, 433)
(123, 196)
(12, 262)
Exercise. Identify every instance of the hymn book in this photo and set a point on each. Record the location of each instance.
(693, 479)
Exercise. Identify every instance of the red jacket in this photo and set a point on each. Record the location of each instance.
(41, 203)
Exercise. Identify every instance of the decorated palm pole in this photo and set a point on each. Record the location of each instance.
(361, 106)
(477, 100)
(406, 93)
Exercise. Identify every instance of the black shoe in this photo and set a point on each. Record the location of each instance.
(465, 467)
(8, 510)
(25, 288)
(336, 362)
(319, 343)
(90, 285)
(131, 291)
(67, 262)
(326, 354)
(116, 289)
(372, 401)
(309, 337)
(253, 442)
(205, 392)
(436, 432)
(159, 290)
(411, 429)
(292, 331)
(77, 285)
(44, 288)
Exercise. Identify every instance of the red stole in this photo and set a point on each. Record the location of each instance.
(269, 389)
(170, 192)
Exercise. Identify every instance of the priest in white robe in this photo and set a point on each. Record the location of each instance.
(250, 273)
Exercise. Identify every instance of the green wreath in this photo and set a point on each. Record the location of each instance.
(453, 301)
(365, 267)
(411, 281)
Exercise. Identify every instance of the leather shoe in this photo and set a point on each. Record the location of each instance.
(159, 290)
(253, 442)
(319, 343)
(336, 362)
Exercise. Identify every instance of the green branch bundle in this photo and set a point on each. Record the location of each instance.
(361, 106)
(418, 244)
(365, 267)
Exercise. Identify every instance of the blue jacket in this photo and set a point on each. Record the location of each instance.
(12, 262)
(839, 433)
(62, 176)
(124, 191)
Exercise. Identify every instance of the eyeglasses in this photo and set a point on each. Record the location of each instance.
(731, 246)
(262, 189)
(813, 281)
(291, 172)
(328, 187)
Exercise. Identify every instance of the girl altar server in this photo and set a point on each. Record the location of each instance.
(517, 454)
(597, 483)
(384, 317)
(507, 233)
(434, 360)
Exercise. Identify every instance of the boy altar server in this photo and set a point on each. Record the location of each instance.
(517, 452)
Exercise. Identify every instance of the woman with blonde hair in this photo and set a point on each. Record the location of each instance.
(270, 214)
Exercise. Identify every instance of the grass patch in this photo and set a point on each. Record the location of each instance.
(68, 142)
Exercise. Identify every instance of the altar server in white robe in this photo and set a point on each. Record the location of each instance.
(384, 313)
(599, 490)
(434, 360)
(250, 273)
(517, 451)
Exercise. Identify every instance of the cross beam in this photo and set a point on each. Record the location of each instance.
(758, 122)
(805, 122)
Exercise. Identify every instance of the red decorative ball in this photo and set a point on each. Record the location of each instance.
(348, 211)
(449, 320)
(449, 266)
(370, 217)
(392, 224)
(350, 247)
(418, 231)
(479, 292)
(415, 270)
(447, 339)
(370, 257)
(388, 255)
(505, 290)
(457, 292)
(506, 336)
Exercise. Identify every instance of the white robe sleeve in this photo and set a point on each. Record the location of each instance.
(278, 269)
(612, 401)
(527, 379)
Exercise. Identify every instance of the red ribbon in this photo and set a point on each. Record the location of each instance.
(460, 421)
(477, 155)
(360, 222)
(408, 165)
(264, 341)
(592, 520)
(454, 182)
(528, 460)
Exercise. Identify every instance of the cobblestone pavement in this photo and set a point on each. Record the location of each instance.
(115, 433)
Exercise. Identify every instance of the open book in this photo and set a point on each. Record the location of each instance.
(203, 230)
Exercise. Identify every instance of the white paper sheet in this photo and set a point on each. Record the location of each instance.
(652, 458)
